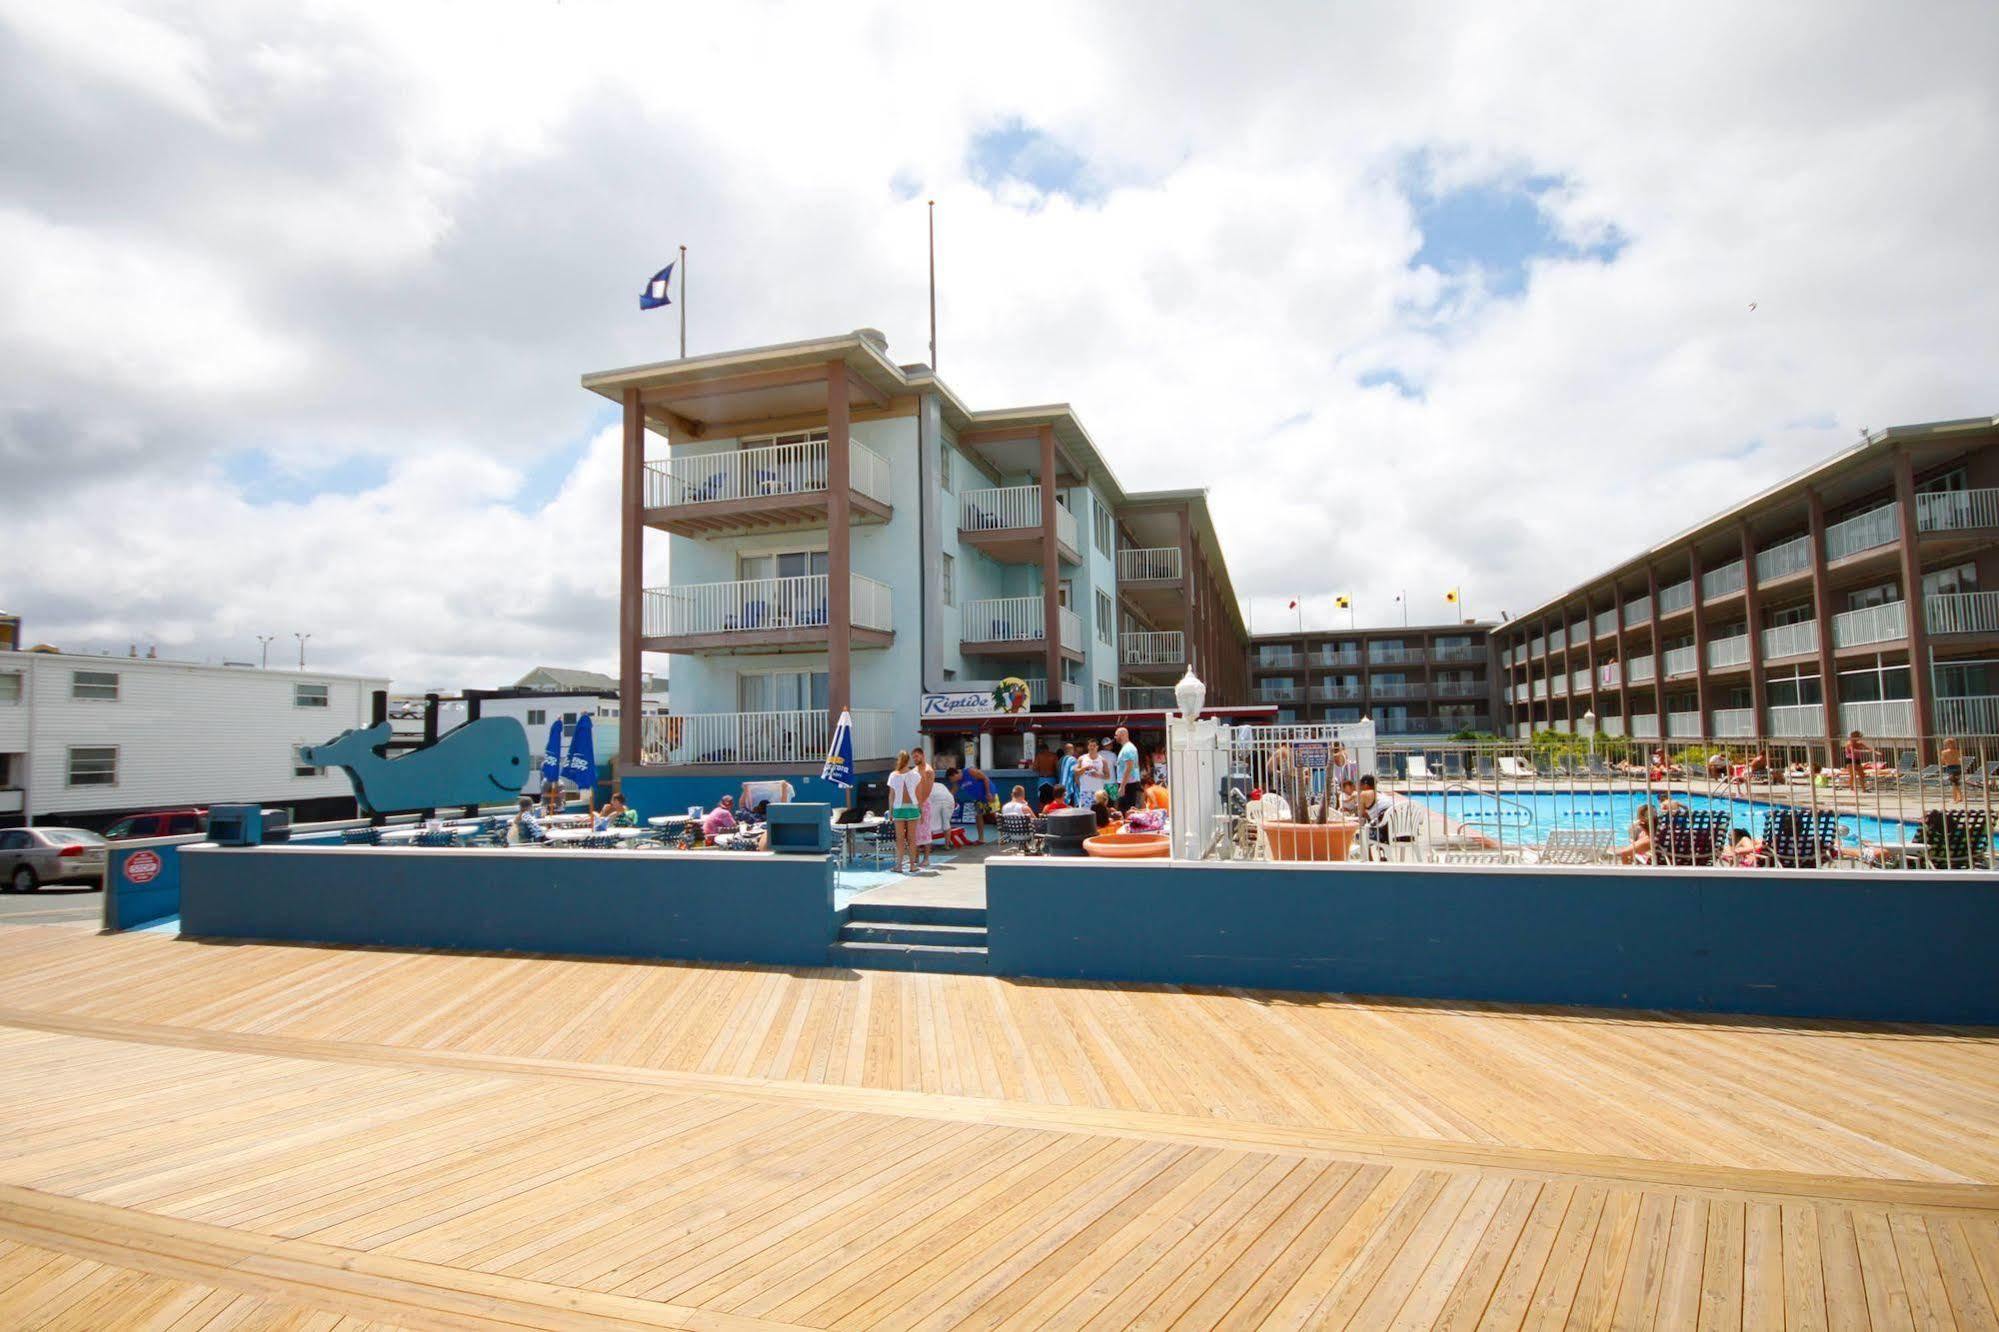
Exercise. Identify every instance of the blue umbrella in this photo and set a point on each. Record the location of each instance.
(839, 768)
(581, 765)
(551, 759)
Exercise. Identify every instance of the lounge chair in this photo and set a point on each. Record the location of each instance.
(1016, 833)
(1801, 838)
(1691, 837)
(1957, 839)
(1455, 768)
(1482, 857)
(1516, 768)
(1418, 768)
(361, 837)
(1578, 846)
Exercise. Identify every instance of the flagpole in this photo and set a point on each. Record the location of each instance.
(1404, 599)
(683, 302)
(933, 285)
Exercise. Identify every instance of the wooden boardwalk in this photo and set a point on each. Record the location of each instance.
(206, 1136)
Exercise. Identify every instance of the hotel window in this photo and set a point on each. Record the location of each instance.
(950, 581)
(1878, 595)
(101, 685)
(944, 467)
(1106, 620)
(1106, 696)
(537, 716)
(782, 691)
(93, 766)
(1957, 578)
(569, 719)
(782, 564)
(309, 696)
(10, 687)
(1101, 519)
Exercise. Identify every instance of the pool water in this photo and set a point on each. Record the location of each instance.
(1520, 817)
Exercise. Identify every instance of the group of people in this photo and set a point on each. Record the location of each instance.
(921, 807)
(1111, 766)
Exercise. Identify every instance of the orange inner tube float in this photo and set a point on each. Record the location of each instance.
(1128, 846)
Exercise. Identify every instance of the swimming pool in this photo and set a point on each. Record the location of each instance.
(1528, 816)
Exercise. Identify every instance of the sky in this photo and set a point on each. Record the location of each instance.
(1428, 297)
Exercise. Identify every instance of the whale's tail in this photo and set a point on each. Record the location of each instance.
(349, 748)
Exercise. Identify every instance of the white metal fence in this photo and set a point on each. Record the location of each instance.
(1791, 640)
(760, 737)
(1954, 510)
(1720, 582)
(1016, 620)
(1962, 612)
(1153, 648)
(761, 605)
(770, 469)
(999, 508)
(1676, 598)
(1779, 561)
(1149, 564)
(1873, 624)
(1864, 531)
(1728, 651)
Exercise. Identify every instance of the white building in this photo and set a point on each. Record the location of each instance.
(84, 739)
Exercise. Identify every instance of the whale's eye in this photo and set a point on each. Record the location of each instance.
(517, 760)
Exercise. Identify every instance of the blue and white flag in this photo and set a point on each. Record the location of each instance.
(655, 294)
(839, 768)
(580, 767)
(551, 758)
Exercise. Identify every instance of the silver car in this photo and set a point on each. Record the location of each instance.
(31, 857)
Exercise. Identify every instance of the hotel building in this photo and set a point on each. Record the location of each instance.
(1432, 680)
(1861, 595)
(845, 533)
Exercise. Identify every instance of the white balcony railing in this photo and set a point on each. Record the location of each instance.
(1720, 582)
(1604, 623)
(770, 469)
(1610, 675)
(1579, 681)
(761, 605)
(1578, 633)
(1797, 721)
(1538, 647)
(1458, 689)
(1643, 669)
(1540, 689)
(1962, 612)
(1637, 612)
(1065, 527)
(1892, 717)
(1387, 656)
(1558, 685)
(1875, 624)
(761, 737)
(1558, 640)
(1972, 715)
(1791, 640)
(1681, 661)
(1734, 723)
(1285, 660)
(1149, 648)
(1683, 725)
(1645, 726)
(1328, 692)
(1955, 510)
(1723, 652)
(1863, 531)
(1149, 564)
(999, 508)
(1277, 693)
(1458, 652)
(1004, 620)
(1324, 657)
(1676, 598)
(1610, 726)
(1784, 559)
(1394, 689)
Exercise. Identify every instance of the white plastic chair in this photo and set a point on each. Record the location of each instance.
(1419, 768)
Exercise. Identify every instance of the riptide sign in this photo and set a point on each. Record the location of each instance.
(959, 703)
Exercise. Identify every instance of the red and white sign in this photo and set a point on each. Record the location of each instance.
(143, 866)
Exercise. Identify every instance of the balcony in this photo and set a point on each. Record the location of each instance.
(1791, 640)
(1558, 640)
(769, 488)
(1973, 715)
(1460, 652)
(1863, 532)
(1328, 692)
(1734, 723)
(1327, 657)
(1797, 721)
(1612, 673)
(1558, 685)
(1642, 670)
(1875, 624)
(1579, 634)
(1395, 656)
(763, 615)
(1394, 689)
(1892, 717)
(1612, 726)
(1957, 510)
(760, 737)
(1013, 626)
(1783, 560)
(1538, 647)
(1540, 689)
(1149, 648)
(1681, 661)
(1723, 653)
(1605, 623)
(1579, 681)
(1637, 612)
(1458, 689)
(1962, 612)
(1674, 599)
(1683, 725)
(1005, 522)
(1147, 698)
(1645, 726)
(1286, 660)
(1149, 564)
(1728, 579)
(1277, 693)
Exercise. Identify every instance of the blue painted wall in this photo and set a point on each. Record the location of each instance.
(1899, 947)
(672, 795)
(129, 904)
(715, 906)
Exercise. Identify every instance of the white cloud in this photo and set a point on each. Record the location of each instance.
(390, 232)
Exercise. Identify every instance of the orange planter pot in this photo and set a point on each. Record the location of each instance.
(1310, 841)
(1128, 846)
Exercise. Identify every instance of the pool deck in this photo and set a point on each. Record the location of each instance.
(202, 1136)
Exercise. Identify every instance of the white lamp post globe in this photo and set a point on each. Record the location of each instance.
(1191, 694)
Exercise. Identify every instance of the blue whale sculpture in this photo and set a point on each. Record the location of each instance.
(476, 764)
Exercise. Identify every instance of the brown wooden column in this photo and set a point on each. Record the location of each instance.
(840, 546)
(1912, 596)
(1589, 655)
(631, 581)
(1187, 581)
(1051, 568)
(1822, 616)
(1658, 653)
(1623, 657)
(1752, 608)
(1694, 571)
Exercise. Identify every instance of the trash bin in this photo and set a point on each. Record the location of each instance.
(800, 829)
(1067, 829)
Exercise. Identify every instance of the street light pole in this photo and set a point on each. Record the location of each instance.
(264, 641)
(301, 647)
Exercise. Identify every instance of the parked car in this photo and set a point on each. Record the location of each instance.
(31, 857)
(159, 823)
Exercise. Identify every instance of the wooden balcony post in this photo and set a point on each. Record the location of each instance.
(839, 545)
(1752, 610)
(1822, 614)
(1051, 568)
(1912, 596)
(631, 580)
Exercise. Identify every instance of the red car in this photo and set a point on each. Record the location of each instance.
(159, 823)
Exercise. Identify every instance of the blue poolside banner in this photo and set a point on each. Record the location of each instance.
(839, 768)
(581, 765)
(655, 294)
(551, 758)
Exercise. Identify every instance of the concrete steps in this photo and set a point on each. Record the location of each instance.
(899, 937)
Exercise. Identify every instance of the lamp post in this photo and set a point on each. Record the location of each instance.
(1193, 776)
(264, 641)
(301, 647)
(1589, 729)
